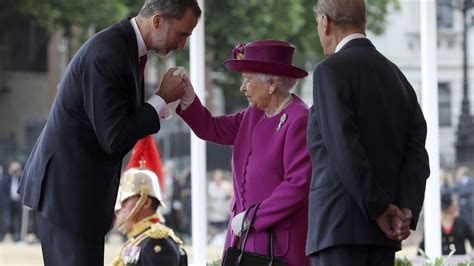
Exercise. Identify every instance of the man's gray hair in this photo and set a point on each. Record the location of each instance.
(285, 84)
(170, 9)
(343, 13)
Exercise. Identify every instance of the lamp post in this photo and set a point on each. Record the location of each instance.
(465, 133)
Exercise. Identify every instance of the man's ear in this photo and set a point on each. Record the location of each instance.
(157, 20)
(325, 24)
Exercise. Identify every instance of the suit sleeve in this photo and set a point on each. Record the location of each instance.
(293, 191)
(415, 169)
(220, 129)
(106, 96)
(335, 112)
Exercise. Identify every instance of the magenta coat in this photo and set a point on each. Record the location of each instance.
(268, 166)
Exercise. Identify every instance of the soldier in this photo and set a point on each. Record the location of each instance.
(150, 242)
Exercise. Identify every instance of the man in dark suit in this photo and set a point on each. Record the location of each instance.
(366, 136)
(100, 111)
(14, 208)
(4, 200)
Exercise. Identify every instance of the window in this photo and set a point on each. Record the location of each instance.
(444, 104)
(445, 13)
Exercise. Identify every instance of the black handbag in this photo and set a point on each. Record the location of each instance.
(235, 256)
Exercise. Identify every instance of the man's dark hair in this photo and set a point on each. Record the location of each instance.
(170, 9)
(446, 201)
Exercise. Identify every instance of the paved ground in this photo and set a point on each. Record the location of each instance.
(22, 254)
(12, 254)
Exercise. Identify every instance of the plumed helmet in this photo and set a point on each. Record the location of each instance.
(136, 181)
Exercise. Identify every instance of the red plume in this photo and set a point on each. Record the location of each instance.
(147, 151)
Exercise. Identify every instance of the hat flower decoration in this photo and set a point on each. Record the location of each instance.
(272, 57)
(238, 51)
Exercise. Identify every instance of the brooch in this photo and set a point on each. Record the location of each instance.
(282, 121)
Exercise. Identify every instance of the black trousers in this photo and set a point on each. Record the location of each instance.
(354, 255)
(62, 248)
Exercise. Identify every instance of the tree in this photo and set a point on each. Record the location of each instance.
(55, 14)
(230, 22)
(64, 15)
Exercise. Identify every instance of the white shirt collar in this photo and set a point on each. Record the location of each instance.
(347, 39)
(142, 50)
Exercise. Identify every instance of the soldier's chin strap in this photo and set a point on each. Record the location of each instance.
(138, 206)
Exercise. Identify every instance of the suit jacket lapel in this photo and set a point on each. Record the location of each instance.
(127, 28)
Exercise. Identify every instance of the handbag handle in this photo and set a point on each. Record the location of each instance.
(270, 245)
(246, 232)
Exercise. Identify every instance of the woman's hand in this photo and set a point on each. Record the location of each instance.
(236, 224)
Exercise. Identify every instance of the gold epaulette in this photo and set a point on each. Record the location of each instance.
(160, 231)
(118, 262)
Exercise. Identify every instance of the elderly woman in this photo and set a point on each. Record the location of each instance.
(270, 161)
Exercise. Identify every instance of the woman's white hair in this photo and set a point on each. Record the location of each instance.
(285, 84)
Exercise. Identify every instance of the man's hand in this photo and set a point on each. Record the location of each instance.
(236, 223)
(393, 223)
(403, 232)
(172, 87)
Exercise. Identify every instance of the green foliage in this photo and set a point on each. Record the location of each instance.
(441, 260)
(229, 23)
(438, 261)
(377, 11)
(403, 262)
(55, 14)
(214, 263)
(63, 14)
(249, 20)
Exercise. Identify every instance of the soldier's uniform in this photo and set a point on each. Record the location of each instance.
(149, 241)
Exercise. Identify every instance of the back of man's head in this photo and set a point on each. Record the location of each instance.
(170, 9)
(343, 13)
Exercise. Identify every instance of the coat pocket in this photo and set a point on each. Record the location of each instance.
(33, 179)
(281, 240)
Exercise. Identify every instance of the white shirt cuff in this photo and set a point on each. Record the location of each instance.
(160, 106)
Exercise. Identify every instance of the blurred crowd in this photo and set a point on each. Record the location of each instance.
(177, 198)
(12, 212)
(460, 184)
(457, 211)
(17, 224)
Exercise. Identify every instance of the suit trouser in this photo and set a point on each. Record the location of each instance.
(354, 255)
(62, 248)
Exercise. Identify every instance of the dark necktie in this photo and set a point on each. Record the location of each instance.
(142, 64)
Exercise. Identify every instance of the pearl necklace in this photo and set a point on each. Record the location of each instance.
(282, 105)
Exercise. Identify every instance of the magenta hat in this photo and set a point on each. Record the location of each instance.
(265, 56)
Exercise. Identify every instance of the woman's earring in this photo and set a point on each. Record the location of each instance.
(272, 89)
